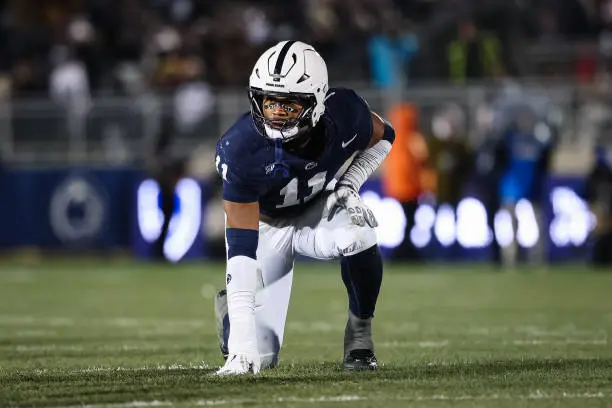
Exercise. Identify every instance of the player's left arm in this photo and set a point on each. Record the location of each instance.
(368, 160)
(361, 168)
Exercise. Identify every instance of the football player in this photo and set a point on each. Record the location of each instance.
(292, 169)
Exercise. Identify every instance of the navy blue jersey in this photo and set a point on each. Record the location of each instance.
(254, 169)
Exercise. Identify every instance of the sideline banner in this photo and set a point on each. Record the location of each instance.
(185, 239)
(66, 208)
(561, 222)
(77, 209)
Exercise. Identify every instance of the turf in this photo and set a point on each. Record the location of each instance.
(103, 333)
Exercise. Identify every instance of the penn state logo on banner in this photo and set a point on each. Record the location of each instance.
(77, 210)
(186, 220)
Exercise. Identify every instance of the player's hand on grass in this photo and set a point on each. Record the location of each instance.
(239, 364)
(345, 197)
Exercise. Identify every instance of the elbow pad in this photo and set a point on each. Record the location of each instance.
(389, 134)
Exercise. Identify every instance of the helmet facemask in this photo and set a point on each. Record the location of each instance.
(282, 129)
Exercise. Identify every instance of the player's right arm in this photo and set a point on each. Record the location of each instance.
(241, 234)
(240, 202)
(242, 215)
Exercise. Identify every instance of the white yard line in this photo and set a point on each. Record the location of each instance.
(77, 348)
(441, 343)
(36, 333)
(567, 330)
(420, 344)
(566, 342)
(170, 367)
(24, 348)
(127, 404)
(160, 367)
(415, 344)
(126, 322)
(536, 395)
(21, 320)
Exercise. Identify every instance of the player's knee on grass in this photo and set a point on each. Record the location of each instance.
(268, 345)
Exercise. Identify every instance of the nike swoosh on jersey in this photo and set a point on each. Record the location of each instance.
(348, 142)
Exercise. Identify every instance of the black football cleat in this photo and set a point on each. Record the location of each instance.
(360, 360)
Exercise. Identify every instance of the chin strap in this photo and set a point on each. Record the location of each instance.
(280, 134)
(280, 167)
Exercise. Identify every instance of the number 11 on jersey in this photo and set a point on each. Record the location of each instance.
(222, 170)
(291, 191)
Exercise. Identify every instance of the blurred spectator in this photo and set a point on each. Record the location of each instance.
(605, 37)
(474, 54)
(135, 45)
(548, 26)
(586, 66)
(489, 165)
(193, 102)
(599, 195)
(390, 54)
(177, 62)
(449, 154)
(68, 84)
(167, 169)
(524, 134)
(405, 175)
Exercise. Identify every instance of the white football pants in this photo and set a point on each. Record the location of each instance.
(310, 234)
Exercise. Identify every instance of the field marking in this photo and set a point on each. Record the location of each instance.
(536, 395)
(21, 320)
(78, 348)
(126, 322)
(566, 342)
(36, 333)
(442, 343)
(150, 345)
(159, 367)
(415, 344)
(24, 348)
(566, 330)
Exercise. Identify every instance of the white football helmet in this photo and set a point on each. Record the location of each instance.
(289, 69)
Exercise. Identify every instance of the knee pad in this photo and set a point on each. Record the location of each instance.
(355, 239)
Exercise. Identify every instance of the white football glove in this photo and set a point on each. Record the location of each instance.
(345, 197)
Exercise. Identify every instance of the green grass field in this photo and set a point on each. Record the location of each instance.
(136, 335)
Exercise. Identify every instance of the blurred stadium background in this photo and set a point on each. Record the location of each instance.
(109, 114)
(107, 107)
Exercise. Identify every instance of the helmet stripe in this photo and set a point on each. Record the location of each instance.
(281, 57)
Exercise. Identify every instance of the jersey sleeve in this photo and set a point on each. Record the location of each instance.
(361, 116)
(238, 183)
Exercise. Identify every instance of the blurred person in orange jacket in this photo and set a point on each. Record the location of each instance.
(405, 173)
(449, 153)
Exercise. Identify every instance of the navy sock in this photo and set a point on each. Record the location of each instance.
(362, 276)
